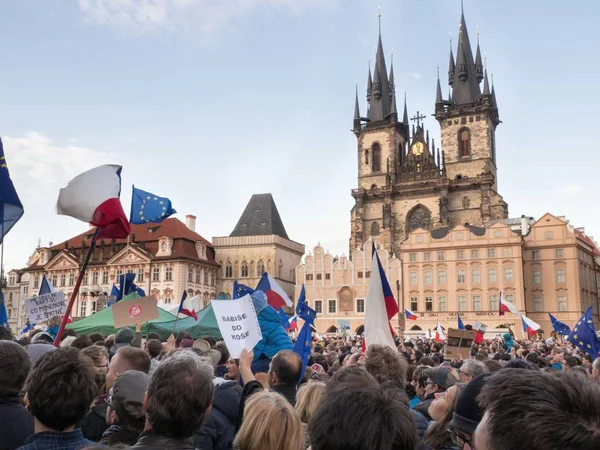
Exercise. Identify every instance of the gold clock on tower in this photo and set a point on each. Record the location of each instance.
(418, 148)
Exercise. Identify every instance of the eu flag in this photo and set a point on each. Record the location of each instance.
(584, 335)
(461, 325)
(127, 286)
(3, 315)
(303, 346)
(304, 311)
(11, 208)
(149, 208)
(560, 327)
(239, 290)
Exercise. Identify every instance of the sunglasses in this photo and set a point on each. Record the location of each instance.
(460, 440)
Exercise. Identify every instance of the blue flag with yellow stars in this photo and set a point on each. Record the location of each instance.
(149, 208)
(239, 290)
(584, 335)
(11, 208)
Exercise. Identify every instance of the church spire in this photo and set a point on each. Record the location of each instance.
(486, 83)
(478, 62)
(356, 112)
(438, 95)
(467, 91)
(494, 104)
(451, 67)
(369, 84)
(380, 93)
(405, 115)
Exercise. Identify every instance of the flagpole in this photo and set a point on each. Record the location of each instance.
(175, 324)
(76, 290)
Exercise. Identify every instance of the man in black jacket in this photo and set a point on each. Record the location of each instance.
(16, 424)
(179, 396)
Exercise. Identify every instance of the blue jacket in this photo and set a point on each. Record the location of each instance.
(274, 336)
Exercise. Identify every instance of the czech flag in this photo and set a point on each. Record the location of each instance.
(93, 197)
(293, 324)
(410, 315)
(439, 333)
(505, 307)
(276, 296)
(529, 326)
(186, 307)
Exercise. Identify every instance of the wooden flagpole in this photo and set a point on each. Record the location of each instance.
(76, 290)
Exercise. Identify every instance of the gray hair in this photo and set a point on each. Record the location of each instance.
(474, 368)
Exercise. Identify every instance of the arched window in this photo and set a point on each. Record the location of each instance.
(260, 269)
(376, 157)
(464, 143)
(244, 270)
(374, 229)
(228, 271)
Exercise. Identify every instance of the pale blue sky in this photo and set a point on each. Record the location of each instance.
(208, 102)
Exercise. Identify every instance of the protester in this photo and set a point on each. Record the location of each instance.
(233, 370)
(221, 368)
(125, 414)
(563, 413)
(82, 342)
(470, 369)
(179, 396)
(270, 423)
(438, 379)
(6, 334)
(99, 357)
(125, 337)
(308, 399)
(467, 414)
(441, 411)
(126, 358)
(16, 424)
(596, 370)
(154, 348)
(59, 394)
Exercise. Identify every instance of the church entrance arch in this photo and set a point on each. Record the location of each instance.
(418, 217)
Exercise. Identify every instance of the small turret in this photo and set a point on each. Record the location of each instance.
(478, 62)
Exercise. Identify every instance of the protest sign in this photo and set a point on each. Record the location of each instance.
(45, 306)
(459, 343)
(130, 312)
(238, 324)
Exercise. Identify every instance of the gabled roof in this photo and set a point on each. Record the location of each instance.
(260, 218)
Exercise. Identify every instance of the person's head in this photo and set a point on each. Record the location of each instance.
(222, 349)
(361, 417)
(127, 358)
(570, 362)
(182, 336)
(308, 398)
(386, 365)
(61, 388)
(285, 368)
(419, 381)
(467, 413)
(82, 342)
(180, 393)
(596, 369)
(154, 348)
(471, 369)
(270, 423)
(153, 336)
(520, 364)
(15, 365)
(439, 379)
(492, 366)
(126, 400)
(441, 411)
(99, 357)
(96, 337)
(124, 336)
(6, 334)
(565, 405)
(233, 369)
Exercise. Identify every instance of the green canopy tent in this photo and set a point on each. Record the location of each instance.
(102, 321)
(206, 325)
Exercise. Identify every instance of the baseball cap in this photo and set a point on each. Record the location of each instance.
(127, 395)
(443, 376)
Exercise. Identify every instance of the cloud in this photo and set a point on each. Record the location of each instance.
(197, 17)
(38, 165)
(570, 189)
(415, 75)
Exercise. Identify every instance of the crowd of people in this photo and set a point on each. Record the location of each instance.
(132, 391)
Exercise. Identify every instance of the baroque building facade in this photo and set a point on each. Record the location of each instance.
(405, 182)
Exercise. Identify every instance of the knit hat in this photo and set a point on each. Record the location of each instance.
(36, 351)
(467, 413)
(443, 376)
(124, 336)
(127, 395)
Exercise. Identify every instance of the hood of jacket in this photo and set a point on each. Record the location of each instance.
(227, 399)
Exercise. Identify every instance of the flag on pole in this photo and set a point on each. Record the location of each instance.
(461, 325)
(529, 326)
(46, 287)
(584, 335)
(505, 306)
(377, 308)
(239, 290)
(115, 292)
(3, 315)
(293, 324)
(93, 197)
(11, 208)
(439, 333)
(276, 296)
(410, 315)
(149, 208)
(560, 327)
(303, 310)
(126, 287)
(303, 345)
(186, 307)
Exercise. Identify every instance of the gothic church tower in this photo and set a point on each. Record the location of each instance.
(404, 181)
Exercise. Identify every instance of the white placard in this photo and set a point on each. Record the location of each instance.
(238, 324)
(478, 326)
(43, 307)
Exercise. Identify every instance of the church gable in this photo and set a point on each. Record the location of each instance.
(129, 255)
(63, 260)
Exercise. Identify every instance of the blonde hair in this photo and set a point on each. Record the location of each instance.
(270, 423)
(308, 399)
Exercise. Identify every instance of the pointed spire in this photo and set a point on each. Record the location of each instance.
(356, 107)
(486, 83)
(478, 62)
(427, 137)
(380, 106)
(468, 90)
(369, 84)
(494, 104)
(438, 95)
(405, 115)
(439, 160)
(376, 83)
(394, 108)
(451, 66)
(392, 82)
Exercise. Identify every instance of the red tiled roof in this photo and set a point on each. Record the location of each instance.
(144, 237)
(588, 241)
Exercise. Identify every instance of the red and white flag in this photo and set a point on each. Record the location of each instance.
(93, 197)
(505, 307)
(439, 333)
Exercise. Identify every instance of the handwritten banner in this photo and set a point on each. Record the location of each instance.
(238, 323)
(44, 307)
(131, 311)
